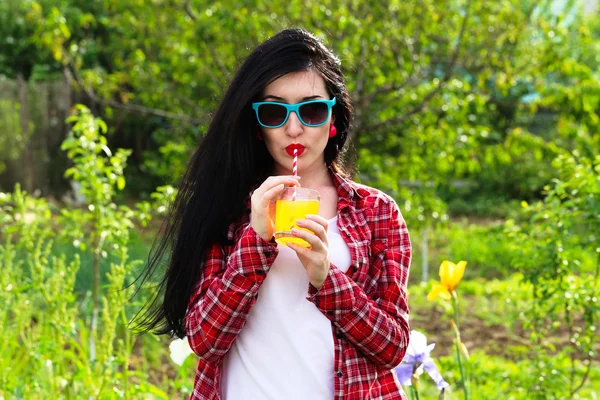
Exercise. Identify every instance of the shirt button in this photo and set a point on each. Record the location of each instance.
(268, 253)
(339, 374)
(338, 335)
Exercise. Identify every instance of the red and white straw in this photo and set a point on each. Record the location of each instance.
(295, 171)
(295, 165)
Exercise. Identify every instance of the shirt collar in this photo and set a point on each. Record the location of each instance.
(348, 191)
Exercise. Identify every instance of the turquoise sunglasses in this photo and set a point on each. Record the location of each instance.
(271, 114)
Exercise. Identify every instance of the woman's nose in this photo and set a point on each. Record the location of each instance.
(293, 126)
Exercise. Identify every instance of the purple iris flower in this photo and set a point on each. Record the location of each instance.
(417, 359)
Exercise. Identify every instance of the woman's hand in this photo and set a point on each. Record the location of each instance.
(262, 221)
(315, 259)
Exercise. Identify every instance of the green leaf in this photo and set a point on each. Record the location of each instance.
(102, 126)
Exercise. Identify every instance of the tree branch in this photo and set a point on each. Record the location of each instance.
(211, 50)
(131, 107)
(416, 39)
(358, 91)
(447, 76)
(461, 35)
(360, 81)
(222, 68)
(188, 10)
(414, 110)
(410, 42)
(394, 87)
(524, 25)
(585, 376)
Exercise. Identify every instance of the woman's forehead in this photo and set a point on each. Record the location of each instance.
(297, 86)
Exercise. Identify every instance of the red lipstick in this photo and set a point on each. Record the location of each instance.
(295, 146)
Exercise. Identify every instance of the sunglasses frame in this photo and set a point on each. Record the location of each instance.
(295, 108)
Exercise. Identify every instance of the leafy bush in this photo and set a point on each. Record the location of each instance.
(59, 341)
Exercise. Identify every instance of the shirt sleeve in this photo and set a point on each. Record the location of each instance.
(377, 326)
(227, 290)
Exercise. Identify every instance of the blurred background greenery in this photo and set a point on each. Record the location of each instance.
(481, 118)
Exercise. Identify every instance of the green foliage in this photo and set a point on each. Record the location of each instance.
(100, 175)
(59, 341)
(44, 351)
(485, 246)
(452, 94)
(514, 381)
(469, 108)
(547, 250)
(491, 311)
(481, 205)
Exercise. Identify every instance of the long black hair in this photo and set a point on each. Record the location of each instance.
(228, 163)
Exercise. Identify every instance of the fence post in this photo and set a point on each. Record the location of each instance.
(425, 270)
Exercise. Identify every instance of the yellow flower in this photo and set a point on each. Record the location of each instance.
(438, 290)
(450, 276)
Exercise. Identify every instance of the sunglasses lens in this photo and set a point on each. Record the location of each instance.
(271, 114)
(314, 113)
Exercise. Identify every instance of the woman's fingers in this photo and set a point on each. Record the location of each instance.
(317, 238)
(313, 240)
(262, 221)
(279, 179)
(300, 250)
(270, 194)
(317, 224)
(319, 220)
(271, 187)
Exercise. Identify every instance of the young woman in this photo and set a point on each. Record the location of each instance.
(270, 321)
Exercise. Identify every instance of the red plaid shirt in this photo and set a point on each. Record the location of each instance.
(367, 305)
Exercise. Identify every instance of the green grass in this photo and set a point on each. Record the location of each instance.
(492, 299)
(139, 247)
(489, 253)
(511, 380)
(491, 327)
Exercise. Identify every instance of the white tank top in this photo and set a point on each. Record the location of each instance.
(285, 350)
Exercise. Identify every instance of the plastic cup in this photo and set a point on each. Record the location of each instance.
(289, 209)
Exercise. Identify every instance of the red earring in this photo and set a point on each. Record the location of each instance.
(259, 136)
(332, 130)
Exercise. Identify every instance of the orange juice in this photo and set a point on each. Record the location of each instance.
(286, 214)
